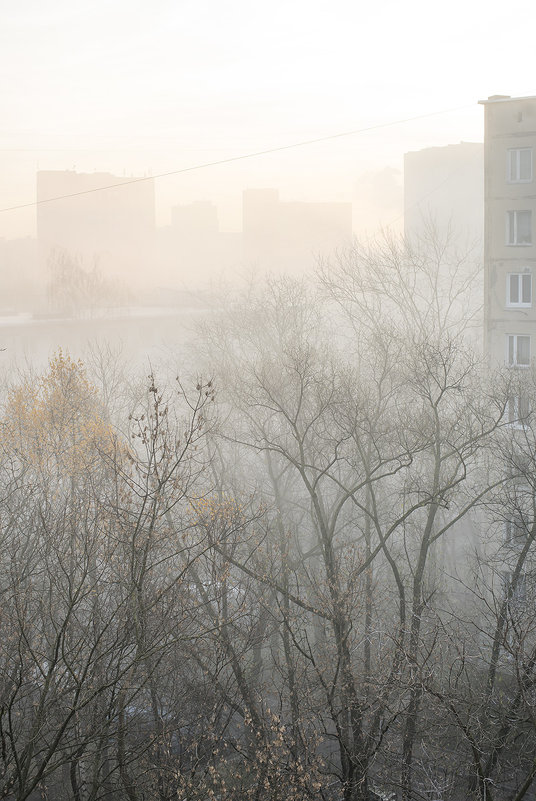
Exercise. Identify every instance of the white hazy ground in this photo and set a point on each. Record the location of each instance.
(132, 87)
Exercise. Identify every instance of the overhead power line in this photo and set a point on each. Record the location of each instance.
(241, 157)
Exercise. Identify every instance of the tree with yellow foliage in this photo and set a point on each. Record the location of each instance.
(56, 423)
(90, 575)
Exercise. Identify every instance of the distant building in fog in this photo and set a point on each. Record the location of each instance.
(195, 219)
(510, 234)
(285, 237)
(192, 249)
(111, 229)
(444, 186)
(289, 236)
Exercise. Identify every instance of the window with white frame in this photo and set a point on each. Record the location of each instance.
(518, 410)
(519, 290)
(515, 532)
(515, 588)
(518, 350)
(519, 165)
(519, 227)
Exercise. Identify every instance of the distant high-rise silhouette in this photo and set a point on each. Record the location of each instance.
(110, 228)
(444, 187)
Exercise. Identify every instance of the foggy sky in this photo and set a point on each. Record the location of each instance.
(132, 87)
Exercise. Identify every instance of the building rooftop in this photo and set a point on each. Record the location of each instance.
(505, 99)
(453, 147)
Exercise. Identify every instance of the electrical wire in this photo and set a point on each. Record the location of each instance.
(231, 159)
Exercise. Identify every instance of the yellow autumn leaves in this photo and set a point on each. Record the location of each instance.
(55, 422)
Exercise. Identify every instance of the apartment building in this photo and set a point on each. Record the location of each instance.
(443, 189)
(510, 316)
(509, 230)
(97, 220)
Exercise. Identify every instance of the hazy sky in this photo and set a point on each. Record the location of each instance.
(144, 86)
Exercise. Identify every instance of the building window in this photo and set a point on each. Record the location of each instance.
(519, 289)
(517, 410)
(517, 350)
(515, 533)
(519, 169)
(515, 589)
(519, 228)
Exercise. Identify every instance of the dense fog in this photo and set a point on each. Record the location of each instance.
(267, 402)
(272, 564)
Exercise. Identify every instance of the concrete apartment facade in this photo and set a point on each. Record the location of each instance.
(510, 308)
(509, 230)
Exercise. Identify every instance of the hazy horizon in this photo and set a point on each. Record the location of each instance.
(134, 90)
